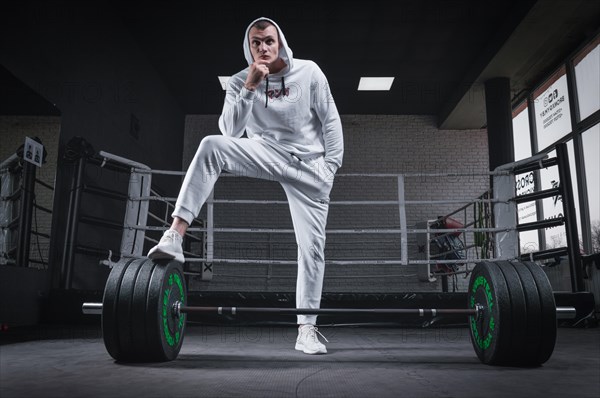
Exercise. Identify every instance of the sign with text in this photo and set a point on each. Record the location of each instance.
(527, 212)
(553, 208)
(552, 113)
(33, 152)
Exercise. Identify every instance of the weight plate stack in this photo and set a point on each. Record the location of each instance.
(518, 324)
(138, 321)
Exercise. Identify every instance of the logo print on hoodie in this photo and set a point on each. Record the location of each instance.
(276, 93)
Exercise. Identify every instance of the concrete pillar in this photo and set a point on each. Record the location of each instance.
(499, 121)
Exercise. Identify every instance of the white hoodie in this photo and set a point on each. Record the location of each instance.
(298, 115)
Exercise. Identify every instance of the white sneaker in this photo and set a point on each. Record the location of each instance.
(308, 342)
(168, 248)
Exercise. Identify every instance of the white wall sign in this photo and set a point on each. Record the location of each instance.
(33, 152)
(552, 113)
(527, 212)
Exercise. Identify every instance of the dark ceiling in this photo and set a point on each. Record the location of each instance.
(427, 45)
(439, 51)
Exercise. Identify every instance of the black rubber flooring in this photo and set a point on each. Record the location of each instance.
(260, 361)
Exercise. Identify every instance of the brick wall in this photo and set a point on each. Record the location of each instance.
(13, 130)
(373, 144)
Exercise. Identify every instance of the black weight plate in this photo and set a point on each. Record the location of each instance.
(165, 330)
(110, 326)
(490, 332)
(548, 323)
(125, 311)
(518, 314)
(139, 334)
(529, 356)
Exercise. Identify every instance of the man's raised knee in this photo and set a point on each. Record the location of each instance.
(213, 143)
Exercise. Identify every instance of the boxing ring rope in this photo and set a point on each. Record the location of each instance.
(329, 231)
(376, 175)
(401, 203)
(338, 202)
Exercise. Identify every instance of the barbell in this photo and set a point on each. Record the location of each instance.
(511, 312)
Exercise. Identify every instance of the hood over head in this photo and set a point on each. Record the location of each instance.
(285, 52)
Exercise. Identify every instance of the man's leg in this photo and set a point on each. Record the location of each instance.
(308, 198)
(216, 153)
(309, 218)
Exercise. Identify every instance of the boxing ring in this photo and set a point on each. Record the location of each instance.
(494, 236)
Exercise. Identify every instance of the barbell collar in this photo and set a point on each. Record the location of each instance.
(92, 308)
(566, 312)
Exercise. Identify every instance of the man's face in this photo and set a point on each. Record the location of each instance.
(264, 44)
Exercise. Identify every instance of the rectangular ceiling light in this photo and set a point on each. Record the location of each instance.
(375, 83)
(223, 80)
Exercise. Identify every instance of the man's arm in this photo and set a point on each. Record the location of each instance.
(237, 108)
(325, 108)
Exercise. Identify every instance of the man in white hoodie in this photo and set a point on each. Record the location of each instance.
(294, 136)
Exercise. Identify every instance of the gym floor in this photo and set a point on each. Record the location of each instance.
(260, 361)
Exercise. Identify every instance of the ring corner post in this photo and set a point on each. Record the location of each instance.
(570, 217)
(505, 216)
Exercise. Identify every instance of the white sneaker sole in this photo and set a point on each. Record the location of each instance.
(300, 347)
(155, 254)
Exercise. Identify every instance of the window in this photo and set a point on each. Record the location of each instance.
(550, 108)
(521, 140)
(591, 149)
(553, 207)
(524, 183)
(527, 212)
(552, 111)
(587, 77)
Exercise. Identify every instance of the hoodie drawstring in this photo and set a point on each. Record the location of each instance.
(267, 93)
(267, 90)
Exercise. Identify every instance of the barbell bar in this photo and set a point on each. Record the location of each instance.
(511, 312)
(96, 309)
(178, 309)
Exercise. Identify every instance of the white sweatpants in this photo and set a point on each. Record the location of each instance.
(306, 182)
